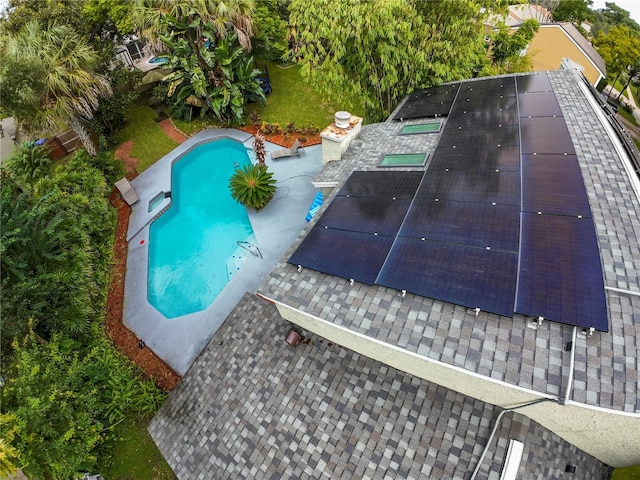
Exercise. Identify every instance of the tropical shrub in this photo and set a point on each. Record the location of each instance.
(54, 252)
(62, 399)
(253, 186)
(54, 418)
(27, 164)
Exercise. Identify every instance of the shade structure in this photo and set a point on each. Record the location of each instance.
(155, 75)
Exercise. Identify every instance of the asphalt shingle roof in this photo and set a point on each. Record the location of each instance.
(503, 348)
(252, 406)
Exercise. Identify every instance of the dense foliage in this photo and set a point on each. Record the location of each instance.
(55, 251)
(380, 51)
(506, 49)
(611, 16)
(63, 400)
(68, 89)
(620, 49)
(271, 30)
(207, 44)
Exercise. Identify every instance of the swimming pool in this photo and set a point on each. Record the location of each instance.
(158, 60)
(194, 241)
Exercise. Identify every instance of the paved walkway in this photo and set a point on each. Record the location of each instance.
(178, 341)
(634, 108)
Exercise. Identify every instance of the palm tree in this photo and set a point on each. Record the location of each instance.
(69, 91)
(196, 22)
(225, 16)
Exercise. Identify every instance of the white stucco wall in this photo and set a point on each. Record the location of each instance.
(612, 437)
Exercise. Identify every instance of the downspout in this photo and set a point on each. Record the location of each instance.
(563, 401)
(572, 363)
(495, 428)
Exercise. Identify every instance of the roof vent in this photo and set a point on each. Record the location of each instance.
(293, 338)
(342, 119)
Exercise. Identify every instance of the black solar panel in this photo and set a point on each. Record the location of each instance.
(483, 118)
(427, 110)
(480, 136)
(440, 91)
(468, 276)
(533, 83)
(454, 233)
(382, 184)
(429, 102)
(499, 158)
(500, 86)
(472, 186)
(539, 104)
(482, 100)
(366, 214)
(342, 253)
(474, 224)
(553, 184)
(545, 135)
(560, 276)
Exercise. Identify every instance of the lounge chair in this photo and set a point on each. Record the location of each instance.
(295, 150)
(126, 190)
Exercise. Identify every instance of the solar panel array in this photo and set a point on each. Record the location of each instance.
(428, 102)
(500, 220)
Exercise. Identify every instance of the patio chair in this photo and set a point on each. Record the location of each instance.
(295, 150)
(126, 190)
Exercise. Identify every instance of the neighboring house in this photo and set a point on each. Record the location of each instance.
(517, 14)
(555, 41)
(395, 384)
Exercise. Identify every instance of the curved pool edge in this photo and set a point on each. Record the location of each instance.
(157, 178)
(179, 341)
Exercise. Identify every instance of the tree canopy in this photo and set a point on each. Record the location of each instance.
(67, 90)
(507, 45)
(380, 51)
(620, 49)
(574, 11)
(207, 44)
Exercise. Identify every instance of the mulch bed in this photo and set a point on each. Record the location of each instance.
(124, 339)
(284, 139)
(121, 336)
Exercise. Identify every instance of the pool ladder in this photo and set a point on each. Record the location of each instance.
(250, 247)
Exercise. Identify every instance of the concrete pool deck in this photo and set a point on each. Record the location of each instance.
(179, 341)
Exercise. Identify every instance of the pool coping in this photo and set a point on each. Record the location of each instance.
(179, 341)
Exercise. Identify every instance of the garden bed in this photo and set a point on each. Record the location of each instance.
(284, 139)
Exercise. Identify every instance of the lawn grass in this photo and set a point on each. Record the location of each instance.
(629, 473)
(292, 100)
(149, 140)
(623, 113)
(135, 456)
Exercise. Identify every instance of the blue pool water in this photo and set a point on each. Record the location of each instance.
(158, 60)
(191, 244)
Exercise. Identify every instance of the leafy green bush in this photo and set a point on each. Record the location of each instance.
(253, 186)
(27, 164)
(63, 399)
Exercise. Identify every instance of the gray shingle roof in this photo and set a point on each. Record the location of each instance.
(499, 347)
(252, 406)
